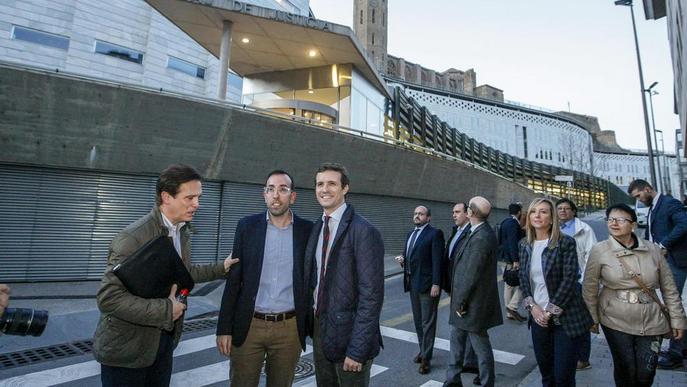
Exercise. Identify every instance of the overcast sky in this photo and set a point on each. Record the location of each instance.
(548, 53)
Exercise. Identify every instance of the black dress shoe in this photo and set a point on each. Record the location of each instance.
(470, 370)
(424, 367)
(476, 381)
(417, 359)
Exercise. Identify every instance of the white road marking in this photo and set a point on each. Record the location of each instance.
(411, 337)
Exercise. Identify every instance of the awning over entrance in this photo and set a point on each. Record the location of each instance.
(266, 40)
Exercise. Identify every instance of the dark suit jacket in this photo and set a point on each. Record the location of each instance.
(510, 234)
(353, 289)
(448, 261)
(561, 272)
(669, 227)
(474, 283)
(238, 300)
(423, 263)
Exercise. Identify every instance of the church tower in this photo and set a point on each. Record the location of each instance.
(370, 26)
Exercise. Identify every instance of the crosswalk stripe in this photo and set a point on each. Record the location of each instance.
(209, 374)
(92, 368)
(432, 383)
(499, 356)
(310, 382)
(206, 374)
(202, 376)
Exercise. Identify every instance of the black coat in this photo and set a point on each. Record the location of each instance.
(238, 300)
(448, 261)
(510, 234)
(474, 283)
(423, 263)
(353, 290)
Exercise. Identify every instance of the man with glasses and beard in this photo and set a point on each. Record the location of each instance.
(266, 306)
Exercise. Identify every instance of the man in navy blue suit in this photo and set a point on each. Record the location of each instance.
(347, 257)
(266, 308)
(424, 251)
(666, 227)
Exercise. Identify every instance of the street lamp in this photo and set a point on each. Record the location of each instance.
(666, 170)
(649, 149)
(651, 93)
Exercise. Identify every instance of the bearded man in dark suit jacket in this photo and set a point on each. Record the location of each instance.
(424, 250)
(475, 305)
(266, 306)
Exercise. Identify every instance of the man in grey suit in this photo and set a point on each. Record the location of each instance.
(475, 304)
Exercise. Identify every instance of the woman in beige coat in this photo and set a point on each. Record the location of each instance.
(632, 320)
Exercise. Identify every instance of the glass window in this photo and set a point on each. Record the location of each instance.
(40, 37)
(186, 67)
(118, 52)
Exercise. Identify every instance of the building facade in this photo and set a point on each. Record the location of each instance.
(123, 41)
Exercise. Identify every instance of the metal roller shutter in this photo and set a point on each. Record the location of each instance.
(393, 217)
(58, 224)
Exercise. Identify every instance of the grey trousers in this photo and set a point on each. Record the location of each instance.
(331, 374)
(460, 341)
(425, 317)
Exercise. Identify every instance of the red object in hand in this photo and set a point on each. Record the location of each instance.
(183, 296)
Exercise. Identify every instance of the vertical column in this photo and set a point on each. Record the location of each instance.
(224, 55)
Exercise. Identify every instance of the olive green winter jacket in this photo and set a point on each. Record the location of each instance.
(128, 332)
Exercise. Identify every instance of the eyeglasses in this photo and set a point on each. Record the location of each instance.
(618, 220)
(280, 190)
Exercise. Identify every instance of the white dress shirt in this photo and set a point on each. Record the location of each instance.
(174, 232)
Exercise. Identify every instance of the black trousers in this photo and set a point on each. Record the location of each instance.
(156, 375)
(634, 357)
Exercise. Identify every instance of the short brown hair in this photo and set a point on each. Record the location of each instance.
(638, 184)
(172, 177)
(337, 168)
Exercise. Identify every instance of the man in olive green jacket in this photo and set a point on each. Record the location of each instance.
(135, 336)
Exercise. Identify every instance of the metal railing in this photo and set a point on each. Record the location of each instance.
(414, 124)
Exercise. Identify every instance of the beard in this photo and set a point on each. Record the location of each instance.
(278, 211)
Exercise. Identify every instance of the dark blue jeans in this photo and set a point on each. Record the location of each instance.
(156, 375)
(634, 357)
(679, 275)
(556, 355)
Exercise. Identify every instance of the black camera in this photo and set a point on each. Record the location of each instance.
(23, 321)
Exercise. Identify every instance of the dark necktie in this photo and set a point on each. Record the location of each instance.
(413, 237)
(323, 263)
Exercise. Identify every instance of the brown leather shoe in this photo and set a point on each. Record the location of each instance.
(424, 367)
(417, 359)
(514, 315)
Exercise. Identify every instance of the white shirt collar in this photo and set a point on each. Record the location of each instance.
(338, 213)
(474, 228)
(655, 200)
(422, 227)
(169, 225)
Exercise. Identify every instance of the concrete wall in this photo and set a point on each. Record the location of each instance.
(47, 119)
